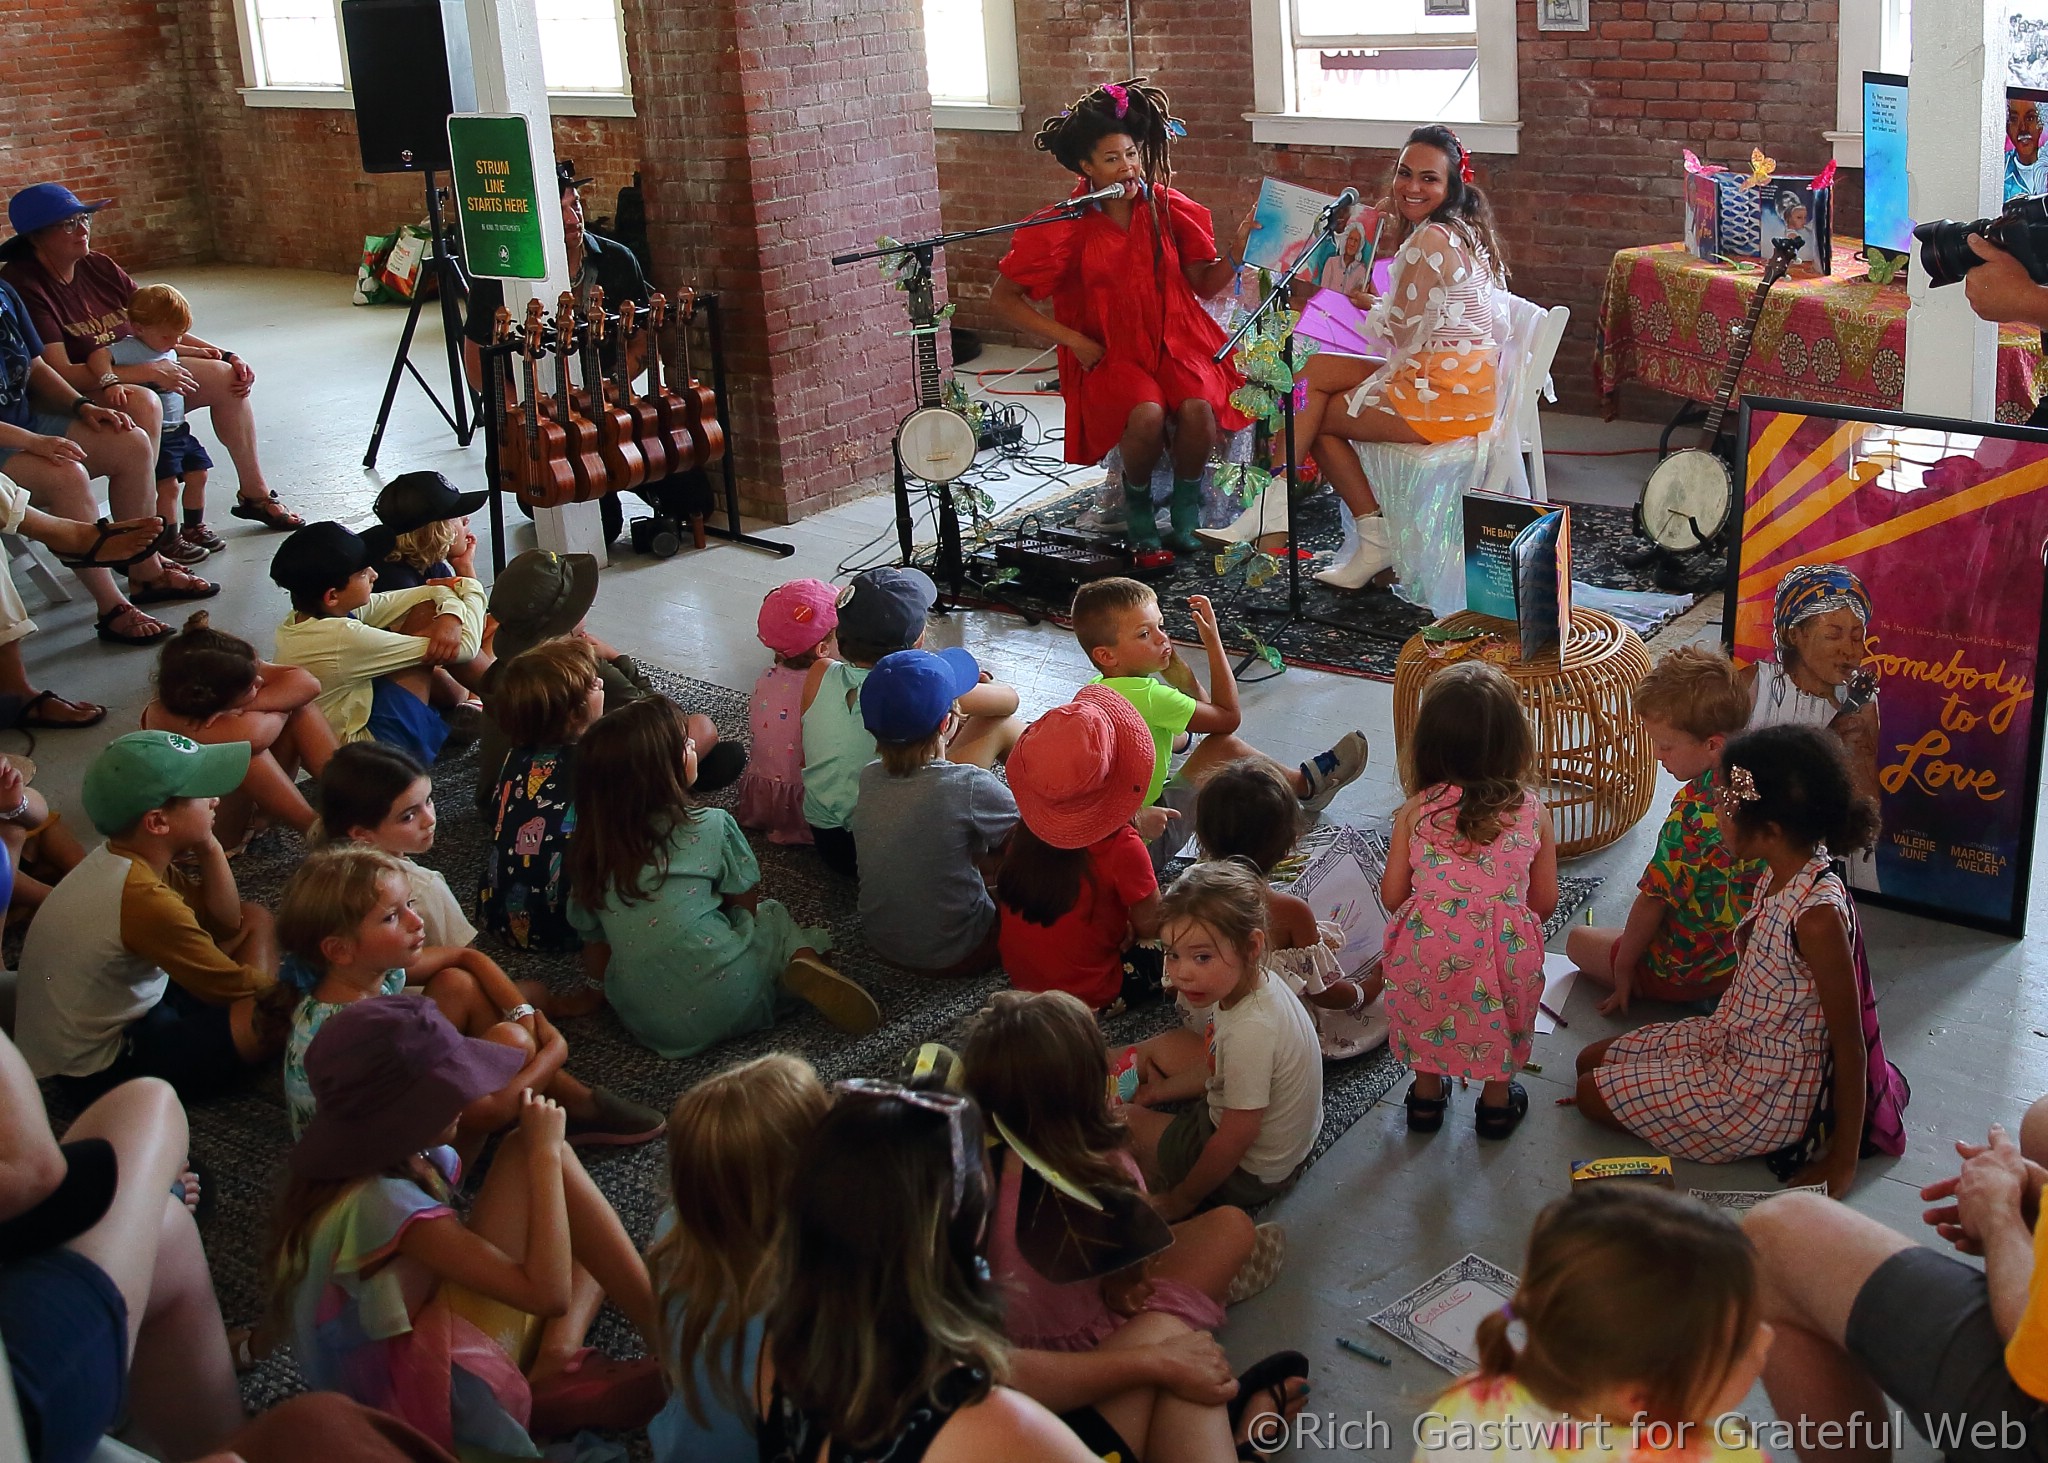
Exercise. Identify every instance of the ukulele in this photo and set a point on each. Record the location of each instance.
(624, 467)
(646, 417)
(684, 452)
(507, 419)
(1685, 506)
(546, 478)
(703, 403)
(586, 459)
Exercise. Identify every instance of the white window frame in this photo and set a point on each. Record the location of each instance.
(1864, 27)
(1497, 130)
(255, 93)
(1004, 109)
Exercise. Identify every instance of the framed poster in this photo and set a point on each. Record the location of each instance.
(1918, 645)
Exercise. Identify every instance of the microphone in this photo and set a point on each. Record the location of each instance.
(1103, 195)
(1347, 199)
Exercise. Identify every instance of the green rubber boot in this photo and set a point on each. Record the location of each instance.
(1184, 512)
(1142, 528)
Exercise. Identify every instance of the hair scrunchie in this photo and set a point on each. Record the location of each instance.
(295, 972)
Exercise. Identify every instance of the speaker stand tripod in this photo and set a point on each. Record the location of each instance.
(448, 274)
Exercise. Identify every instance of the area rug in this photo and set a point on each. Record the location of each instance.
(241, 1140)
(1357, 633)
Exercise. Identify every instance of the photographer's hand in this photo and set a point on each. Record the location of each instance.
(2001, 290)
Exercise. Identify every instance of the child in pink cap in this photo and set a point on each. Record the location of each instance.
(796, 623)
(1077, 893)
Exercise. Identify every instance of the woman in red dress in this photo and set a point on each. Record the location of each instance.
(1126, 278)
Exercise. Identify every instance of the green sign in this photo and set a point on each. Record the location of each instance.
(495, 200)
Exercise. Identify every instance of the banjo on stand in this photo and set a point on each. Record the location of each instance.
(1686, 506)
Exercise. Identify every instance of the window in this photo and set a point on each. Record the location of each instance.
(1366, 72)
(970, 57)
(293, 54)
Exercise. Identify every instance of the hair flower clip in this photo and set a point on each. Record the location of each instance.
(1117, 93)
(1175, 127)
(1743, 784)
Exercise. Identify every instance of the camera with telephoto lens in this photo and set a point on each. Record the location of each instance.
(2021, 230)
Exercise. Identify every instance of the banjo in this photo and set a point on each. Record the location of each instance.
(934, 443)
(1685, 506)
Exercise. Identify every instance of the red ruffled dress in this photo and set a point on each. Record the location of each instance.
(1107, 283)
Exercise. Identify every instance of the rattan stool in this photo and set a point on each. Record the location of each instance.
(1594, 769)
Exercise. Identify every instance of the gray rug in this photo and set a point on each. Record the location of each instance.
(242, 1140)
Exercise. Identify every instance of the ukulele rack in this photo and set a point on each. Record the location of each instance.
(555, 443)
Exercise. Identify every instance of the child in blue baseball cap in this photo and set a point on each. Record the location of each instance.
(925, 824)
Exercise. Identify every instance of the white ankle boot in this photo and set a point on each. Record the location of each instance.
(1373, 555)
(1265, 514)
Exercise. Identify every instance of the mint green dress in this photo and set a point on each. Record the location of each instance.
(686, 969)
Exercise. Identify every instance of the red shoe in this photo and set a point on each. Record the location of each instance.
(599, 1392)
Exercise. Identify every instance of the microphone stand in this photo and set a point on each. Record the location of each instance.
(951, 563)
(1276, 299)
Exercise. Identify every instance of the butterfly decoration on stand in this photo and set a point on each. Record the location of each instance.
(1885, 265)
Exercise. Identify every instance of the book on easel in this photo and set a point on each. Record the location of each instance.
(1518, 558)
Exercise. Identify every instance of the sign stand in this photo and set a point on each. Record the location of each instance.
(449, 274)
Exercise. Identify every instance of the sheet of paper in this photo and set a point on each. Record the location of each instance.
(1559, 975)
(1440, 1317)
(1340, 887)
(1741, 1201)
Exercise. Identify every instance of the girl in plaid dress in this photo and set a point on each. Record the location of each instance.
(1747, 1080)
(1471, 876)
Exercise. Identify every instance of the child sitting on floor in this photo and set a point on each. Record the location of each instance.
(732, 1145)
(1257, 1067)
(1790, 1059)
(211, 687)
(347, 924)
(666, 895)
(884, 610)
(160, 316)
(1117, 622)
(1636, 1318)
(1471, 876)
(1077, 893)
(796, 623)
(40, 849)
(926, 906)
(1246, 812)
(545, 700)
(1678, 943)
(377, 795)
(428, 521)
(375, 654)
(134, 968)
(374, 1179)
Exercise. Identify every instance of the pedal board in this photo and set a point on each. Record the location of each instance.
(1066, 555)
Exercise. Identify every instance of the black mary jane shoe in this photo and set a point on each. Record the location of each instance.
(1426, 1114)
(1500, 1122)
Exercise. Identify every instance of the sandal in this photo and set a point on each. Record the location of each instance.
(176, 584)
(20, 711)
(1499, 1122)
(1426, 1114)
(1268, 1376)
(104, 627)
(268, 511)
(107, 532)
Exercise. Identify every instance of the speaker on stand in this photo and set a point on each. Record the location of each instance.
(409, 66)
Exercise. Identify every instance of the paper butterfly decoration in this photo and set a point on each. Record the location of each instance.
(1760, 169)
(1885, 266)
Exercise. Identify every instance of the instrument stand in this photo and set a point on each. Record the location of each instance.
(448, 273)
(731, 531)
(1292, 613)
(951, 563)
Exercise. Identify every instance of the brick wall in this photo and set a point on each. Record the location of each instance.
(96, 98)
(1604, 114)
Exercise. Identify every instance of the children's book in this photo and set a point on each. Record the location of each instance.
(1441, 1317)
(1288, 215)
(1518, 558)
(1342, 885)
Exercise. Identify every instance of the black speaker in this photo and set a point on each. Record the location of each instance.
(408, 61)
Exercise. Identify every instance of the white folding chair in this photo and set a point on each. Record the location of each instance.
(24, 558)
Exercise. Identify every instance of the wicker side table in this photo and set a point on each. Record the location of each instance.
(1594, 769)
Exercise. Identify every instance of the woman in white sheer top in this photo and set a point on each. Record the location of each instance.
(1438, 382)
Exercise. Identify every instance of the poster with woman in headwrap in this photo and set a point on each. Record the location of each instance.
(1889, 586)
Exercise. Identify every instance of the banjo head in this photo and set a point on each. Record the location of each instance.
(1685, 505)
(936, 444)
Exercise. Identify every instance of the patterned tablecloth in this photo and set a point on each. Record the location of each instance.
(1665, 321)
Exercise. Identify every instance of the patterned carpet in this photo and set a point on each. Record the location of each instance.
(241, 1140)
(1356, 633)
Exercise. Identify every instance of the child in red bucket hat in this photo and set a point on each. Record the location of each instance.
(1077, 891)
(372, 1181)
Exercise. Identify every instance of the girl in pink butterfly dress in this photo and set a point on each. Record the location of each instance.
(1471, 876)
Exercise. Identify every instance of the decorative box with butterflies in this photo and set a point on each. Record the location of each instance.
(1733, 215)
